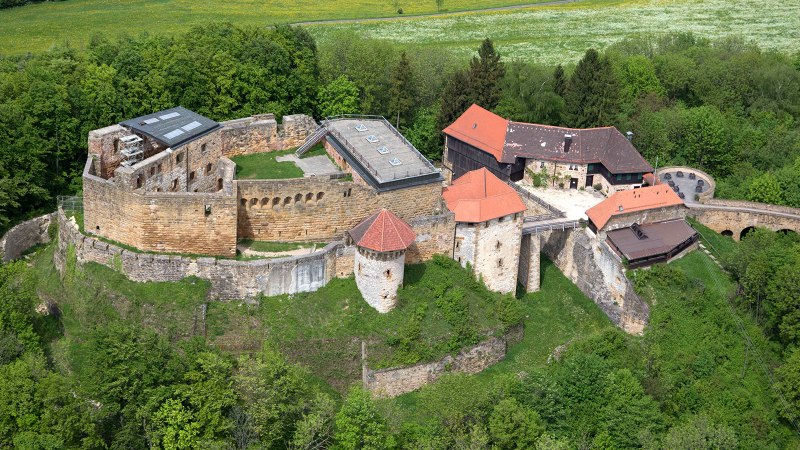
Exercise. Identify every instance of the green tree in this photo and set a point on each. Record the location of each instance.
(424, 134)
(559, 81)
(782, 307)
(456, 99)
(627, 410)
(765, 189)
(592, 94)
(17, 334)
(359, 425)
(789, 384)
(176, 427)
(704, 140)
(485, 73)
(402, 91)
(513, 426)
(701, 434)
(340, 96)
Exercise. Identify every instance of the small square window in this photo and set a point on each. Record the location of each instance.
(203, 148)
(361, 128)
(383, 150)
(372, 139)
(541, 165)
(191, 176)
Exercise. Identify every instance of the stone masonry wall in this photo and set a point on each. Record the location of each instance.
(529, 262)
(599, 274)
(319, 208)
(434, 236)
(262, 133)
(230, 279)
(169, 222)
(497, 247)
(649, 216)
(24, 236)
(396, 381)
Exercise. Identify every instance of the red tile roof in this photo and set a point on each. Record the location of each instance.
(479, 196)
(507, 140)
(383, 232)
(480, 128)
(624, 202)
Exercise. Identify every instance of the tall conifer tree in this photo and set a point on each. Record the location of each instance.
(559, 81)
(592, 94)
(485, 73)
(402, 92)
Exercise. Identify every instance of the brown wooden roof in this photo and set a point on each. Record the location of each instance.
(661, 238)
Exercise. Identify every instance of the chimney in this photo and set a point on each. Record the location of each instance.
(630, 135)
(567, 142)
(620, 208)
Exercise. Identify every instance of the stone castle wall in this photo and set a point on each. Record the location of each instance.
(396, 381)
(529, 274)
(24, 236)
(230, 279)
(167, 222)
(262, 133)
(599, 274)
(320, 208)
(435, 235)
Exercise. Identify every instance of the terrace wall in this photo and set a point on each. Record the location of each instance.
(262, 133)
(24, 236)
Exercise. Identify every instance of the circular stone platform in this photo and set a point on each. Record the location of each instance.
(694, 184)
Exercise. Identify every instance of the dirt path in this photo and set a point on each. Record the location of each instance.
(449, 13)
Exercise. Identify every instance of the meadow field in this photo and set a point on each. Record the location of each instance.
(38, 26)
(555, 34)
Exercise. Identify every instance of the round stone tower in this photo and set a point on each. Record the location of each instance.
(381, 241)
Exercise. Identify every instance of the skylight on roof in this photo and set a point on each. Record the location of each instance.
(361, 127)
(383, 150)
(395, 162)
(372, 139)
(191, 126)
(173, 134)
(169, 116)
(150, 121)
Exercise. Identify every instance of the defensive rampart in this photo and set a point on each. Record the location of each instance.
(599, 274)
(399, 380)
(230, 279)
(262, 133)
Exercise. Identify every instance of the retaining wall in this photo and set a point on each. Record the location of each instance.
(230, 279)
(599, 274)
(399, 380)
(24, 236)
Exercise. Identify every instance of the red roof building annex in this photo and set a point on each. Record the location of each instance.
(479, 196)
(628, 202)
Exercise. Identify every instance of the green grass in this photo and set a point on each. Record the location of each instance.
(274, 247)
(39, 26)
(263, 166)
(561, 34)
(719, 245)
(323, 330)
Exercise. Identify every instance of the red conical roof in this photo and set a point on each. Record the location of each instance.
(383, 232)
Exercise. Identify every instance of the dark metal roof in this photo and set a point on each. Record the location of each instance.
(589, 145)
(660, 238)
(172, 127)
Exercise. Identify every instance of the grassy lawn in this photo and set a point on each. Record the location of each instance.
(262, 166)
(273, 247)
(561, 34)
(36, 27)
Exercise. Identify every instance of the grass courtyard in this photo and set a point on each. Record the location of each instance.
(264, 166)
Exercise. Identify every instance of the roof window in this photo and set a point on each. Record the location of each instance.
(361, 128)
(395, 162)
(383, 150)
(372, 139)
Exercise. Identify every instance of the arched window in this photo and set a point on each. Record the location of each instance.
(298, 198)
(253, 201)
(287, 200)
(309, 197)
(264, 202)
(243, 202)
(208, 169)
(276, 201)
(320, 195)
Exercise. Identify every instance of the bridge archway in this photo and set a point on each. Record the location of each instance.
(746, 231)
(727, 233)
(787, 231)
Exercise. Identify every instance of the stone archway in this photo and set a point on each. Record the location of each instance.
(787, 231)
(727, 233)
(745, 232)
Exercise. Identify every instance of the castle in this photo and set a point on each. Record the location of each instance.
(165, 184)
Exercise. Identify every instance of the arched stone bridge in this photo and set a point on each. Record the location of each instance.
(737, 218)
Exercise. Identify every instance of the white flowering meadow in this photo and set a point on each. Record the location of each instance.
(562, 33)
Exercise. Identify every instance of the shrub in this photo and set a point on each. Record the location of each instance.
(598, 187)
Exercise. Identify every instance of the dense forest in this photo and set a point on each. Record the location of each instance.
(724, 106)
